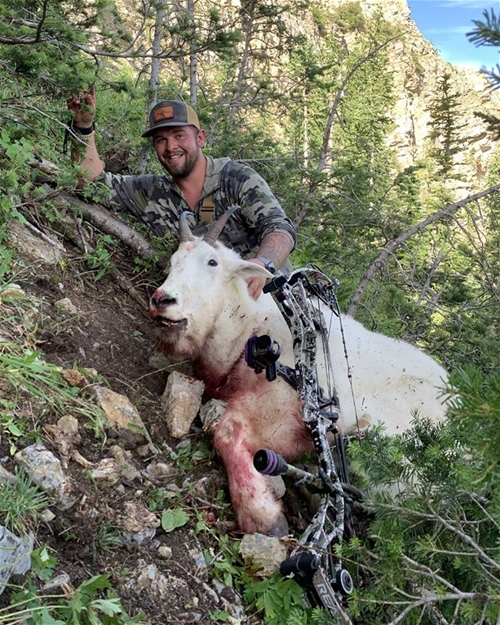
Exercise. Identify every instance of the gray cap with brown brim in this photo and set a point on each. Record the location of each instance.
(169, 113)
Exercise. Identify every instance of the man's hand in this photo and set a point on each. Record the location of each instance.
(84, 151)
(83, 107)
(256, 284)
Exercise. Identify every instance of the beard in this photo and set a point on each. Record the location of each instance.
(182, 169)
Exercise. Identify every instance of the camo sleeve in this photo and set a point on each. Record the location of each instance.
(260, 209)
(149, 197)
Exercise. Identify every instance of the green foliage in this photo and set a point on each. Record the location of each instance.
(156, 497)
(225, 562)
(34, 385)
(187, 457)
(487, 33)
(14, 154)
(107, 540)
(281, 602)
(355, 199)
(42, 563)
(433, 546)
(350, 199)
(491, 122)
(21, 504)
(93, 602)
(99, 260)
(278, 600)
(445, 131)
(349, 16)
(173, 518)
(273, 596)
(26, 371)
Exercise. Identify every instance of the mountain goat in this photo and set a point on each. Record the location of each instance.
(206, 315)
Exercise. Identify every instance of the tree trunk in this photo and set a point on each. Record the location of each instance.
(302, 213)
(193, 60)
(154, 77)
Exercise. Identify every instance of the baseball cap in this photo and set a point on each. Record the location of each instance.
(171, 113)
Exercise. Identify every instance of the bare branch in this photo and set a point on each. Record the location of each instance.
(41, 22)
(110, 223)
(428, 572)
(432, 599)
(389, 249)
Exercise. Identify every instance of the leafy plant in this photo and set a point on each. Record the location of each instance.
(281, 601)
(11, 424)
(42, 563)
(99, 260)
(93, 602)
(188, 457)
(172, 519)
(156, 497)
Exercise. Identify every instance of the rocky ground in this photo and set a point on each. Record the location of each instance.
(117, 482)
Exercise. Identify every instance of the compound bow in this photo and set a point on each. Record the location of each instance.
(313, 563)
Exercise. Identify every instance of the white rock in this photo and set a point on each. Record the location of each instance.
(181, 402)
(267, 551)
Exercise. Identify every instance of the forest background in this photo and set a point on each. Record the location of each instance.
(305, 93)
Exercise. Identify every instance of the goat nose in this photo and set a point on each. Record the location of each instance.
(153, 303)
(161, 299)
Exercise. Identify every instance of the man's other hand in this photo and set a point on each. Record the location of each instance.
(256, 284)
(83, 107)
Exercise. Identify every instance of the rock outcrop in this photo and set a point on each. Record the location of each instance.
(417, 69)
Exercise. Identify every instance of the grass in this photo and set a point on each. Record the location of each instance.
(21, 504)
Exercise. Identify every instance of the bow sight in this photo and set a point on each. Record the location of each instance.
(262, 352)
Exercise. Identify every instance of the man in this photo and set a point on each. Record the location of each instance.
(260, 231)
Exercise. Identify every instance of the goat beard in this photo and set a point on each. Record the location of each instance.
(176, 346)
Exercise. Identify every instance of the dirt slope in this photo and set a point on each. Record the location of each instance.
(165, 579)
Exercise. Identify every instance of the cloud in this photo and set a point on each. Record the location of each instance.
(449, 31)
(468, 64)
(463, 4)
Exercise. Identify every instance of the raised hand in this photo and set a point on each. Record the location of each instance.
(83, 107)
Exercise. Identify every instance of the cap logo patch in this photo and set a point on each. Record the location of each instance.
(166, 112)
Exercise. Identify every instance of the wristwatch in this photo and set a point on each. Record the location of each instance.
(268, 264)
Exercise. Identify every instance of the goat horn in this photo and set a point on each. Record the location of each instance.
(185, 233)
(215, 228)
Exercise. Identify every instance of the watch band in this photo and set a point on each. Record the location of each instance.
(82, 131)
(268, 264)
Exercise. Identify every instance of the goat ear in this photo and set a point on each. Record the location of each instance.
(251, 270)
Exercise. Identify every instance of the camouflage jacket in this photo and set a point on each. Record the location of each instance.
(159, 202)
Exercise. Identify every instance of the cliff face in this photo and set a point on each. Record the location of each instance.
(416, 71)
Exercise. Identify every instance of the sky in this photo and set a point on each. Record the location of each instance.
(446, 22)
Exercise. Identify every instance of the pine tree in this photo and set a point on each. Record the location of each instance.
(445, 135)
(487, 33)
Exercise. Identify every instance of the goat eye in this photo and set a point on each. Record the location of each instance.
(213, 263)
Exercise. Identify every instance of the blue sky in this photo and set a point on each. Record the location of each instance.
(445, 23)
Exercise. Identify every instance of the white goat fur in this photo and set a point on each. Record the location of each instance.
(208, 315)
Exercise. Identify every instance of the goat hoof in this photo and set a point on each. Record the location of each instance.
(280, 528)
